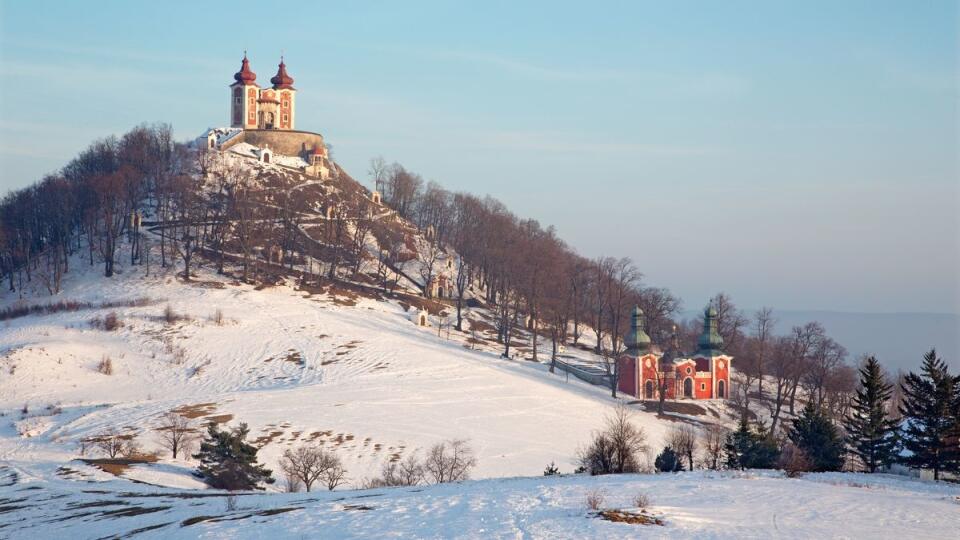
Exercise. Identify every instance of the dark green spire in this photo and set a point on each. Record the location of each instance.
(636, 340)
(710, 342)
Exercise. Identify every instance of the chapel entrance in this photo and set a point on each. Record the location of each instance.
(688, 387)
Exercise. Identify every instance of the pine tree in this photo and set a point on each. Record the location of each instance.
(668, 461)
(871, 433)
(738, 445)
(749, 449)
(815, 434)
(930, 414)
(227, 461)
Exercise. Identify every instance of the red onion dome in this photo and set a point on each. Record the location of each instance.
(245, 76)
(281, 79)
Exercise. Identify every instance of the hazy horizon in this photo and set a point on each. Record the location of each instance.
(802, 157)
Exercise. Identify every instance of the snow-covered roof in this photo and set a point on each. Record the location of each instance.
(249, 150)
(222, 134)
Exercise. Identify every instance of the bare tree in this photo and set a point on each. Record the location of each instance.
(449, 461)
(683, 439)
(617, 448)
(334, 475)
(114, 443)
(177, 434)
(713, 440)
(763, 324)
(311, 463)
(378, 172)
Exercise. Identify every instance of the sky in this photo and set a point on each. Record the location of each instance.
(797, 155)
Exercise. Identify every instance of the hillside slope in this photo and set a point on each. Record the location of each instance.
(323, 366)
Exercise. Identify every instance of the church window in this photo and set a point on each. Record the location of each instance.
(285, 117)
(703, 386)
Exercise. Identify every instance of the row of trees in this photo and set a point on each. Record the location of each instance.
(925, 435)
(525, 271)
(90, 199)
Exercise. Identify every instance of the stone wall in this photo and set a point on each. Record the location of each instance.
(286, 142)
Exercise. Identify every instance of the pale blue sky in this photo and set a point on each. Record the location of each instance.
(801, 155)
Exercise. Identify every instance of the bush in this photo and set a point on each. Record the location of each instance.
(794, 461)
(217, 317)
(105, 366)
(170, 316)
(617, 448)
(551, 470)
(111, 322)
(668, 461)
(641, 501)
(595, 499)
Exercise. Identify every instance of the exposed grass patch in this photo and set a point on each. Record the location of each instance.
(633, 518)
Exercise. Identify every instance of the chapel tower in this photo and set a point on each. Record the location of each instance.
(269, 108)
(244, 93)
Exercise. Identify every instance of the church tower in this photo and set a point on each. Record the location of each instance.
(243, 97)
(285, 94)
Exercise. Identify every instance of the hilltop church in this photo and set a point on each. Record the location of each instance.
(252, 107)
(645, 372)
(263, 125)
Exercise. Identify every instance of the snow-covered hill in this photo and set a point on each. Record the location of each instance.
(690, 505)
(345, 367)
(350, 372)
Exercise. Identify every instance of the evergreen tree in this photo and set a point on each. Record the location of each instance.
(871, 433)
(668, 461)
(749, 449)
(738, 445)
(227, 461)
(815, 434)
(930, 416)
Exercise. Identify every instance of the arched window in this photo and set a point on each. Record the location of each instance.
(688, 387)
(721, 389)
(648, 390)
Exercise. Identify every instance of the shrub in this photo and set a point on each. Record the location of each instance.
(595, 499)
(668, 461)
(551, 470)
(105, 366)
(794, 461)
(217, 317)
(111, 322)
(169, 315)
(641, 501)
